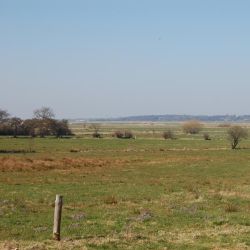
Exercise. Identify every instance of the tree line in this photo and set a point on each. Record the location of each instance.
(42, 124)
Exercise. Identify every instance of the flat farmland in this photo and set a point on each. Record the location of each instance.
(143, 193)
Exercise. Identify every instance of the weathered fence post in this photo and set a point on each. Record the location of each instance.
(57, 217)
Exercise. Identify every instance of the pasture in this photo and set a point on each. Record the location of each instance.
(147, 193)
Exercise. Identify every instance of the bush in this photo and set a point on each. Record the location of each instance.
(206, 137)
(96, 135)
(192, 127)
(168, 135)
(124, 135)
(128, 135)
(118, 134)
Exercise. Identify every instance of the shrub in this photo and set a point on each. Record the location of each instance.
(124, 135)
(168, 135)
(206, 137)
(192, 127)
(96, 135)
(118, 134)
(128, 135)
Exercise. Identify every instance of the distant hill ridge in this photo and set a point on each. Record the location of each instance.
(174, 118)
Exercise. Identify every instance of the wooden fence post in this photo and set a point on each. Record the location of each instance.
(57, 217)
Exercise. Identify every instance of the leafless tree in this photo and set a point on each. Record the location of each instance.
(3, 115)
(96, 127)
(236, 134)
(44, 113)
(30, 126)
(16, 124)
(44, 121)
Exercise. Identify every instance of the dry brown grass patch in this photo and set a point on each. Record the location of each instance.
(11, 164)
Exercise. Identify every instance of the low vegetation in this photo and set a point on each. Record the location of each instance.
(206, 136)
(169, 134)
(96, 127)
(126, 194)
(192, 127)
(124, 135)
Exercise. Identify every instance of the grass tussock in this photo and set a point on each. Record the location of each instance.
(110, 200)
(231, 208)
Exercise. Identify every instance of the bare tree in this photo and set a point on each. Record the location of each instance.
(3, 115)
(44, 113)
(29, 127)
(44, 121)
(192, 127)
(236, 134)
(96, 127)
(15, 124)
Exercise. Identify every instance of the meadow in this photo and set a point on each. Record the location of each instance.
(147, 193)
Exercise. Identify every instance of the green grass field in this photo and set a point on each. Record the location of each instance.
(147, 193)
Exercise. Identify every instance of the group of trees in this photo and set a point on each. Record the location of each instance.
(235, 133)
(42, 124)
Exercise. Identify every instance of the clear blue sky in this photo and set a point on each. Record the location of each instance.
(109, 58)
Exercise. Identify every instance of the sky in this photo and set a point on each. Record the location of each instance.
(113, 58)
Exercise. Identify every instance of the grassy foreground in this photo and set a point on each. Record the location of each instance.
(126, 194)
